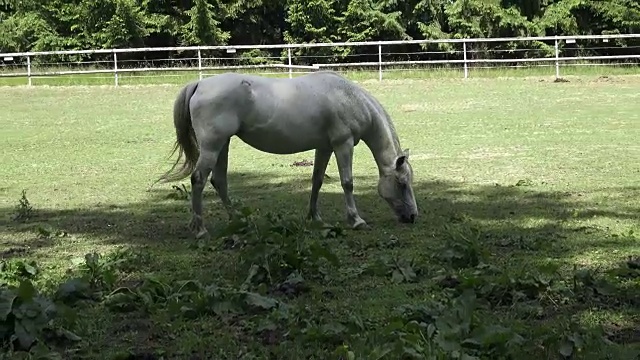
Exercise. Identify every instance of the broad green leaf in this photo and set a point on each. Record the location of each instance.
(266, 325)
(412, 353)
(468, 357)
(566, 349)
(576, 339)
(431, 330)
(395, 325)
(26, 291)
(333, 328)
(380, 353)
(260, 301)
(321, 251)
(246, 211)
(473, 342)
(30, 269)
(604, 287)
(189, 286)
(253, 272)
(109, 278)
(121, 301)
(6, 303)
(69, 335)
(408, 273)
(223, 307)
(40, 351)
(6, 329)
(25, 333)
(73, 289)
(397, 277)
(189, 312)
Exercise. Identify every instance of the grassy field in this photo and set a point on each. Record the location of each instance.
(527, 244)
(389, 73)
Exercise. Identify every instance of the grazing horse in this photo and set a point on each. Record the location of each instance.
(321, 111)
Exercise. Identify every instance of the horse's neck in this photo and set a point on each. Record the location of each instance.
(383, 143)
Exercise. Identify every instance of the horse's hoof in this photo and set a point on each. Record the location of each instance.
(192, 225)
(361, 225)
(195, 224)
(315, 218)
(315, 222)
(202, 234)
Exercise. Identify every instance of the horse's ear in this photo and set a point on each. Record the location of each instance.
(400, 161)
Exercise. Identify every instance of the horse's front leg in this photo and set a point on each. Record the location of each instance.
(219, 178)
(344, 158)
(320, 163)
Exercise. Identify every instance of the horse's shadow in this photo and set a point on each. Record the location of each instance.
(163, 215)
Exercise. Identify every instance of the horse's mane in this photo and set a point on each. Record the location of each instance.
(384, 117)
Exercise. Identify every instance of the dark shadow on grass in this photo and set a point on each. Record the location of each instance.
(501, 213)
(521, 224)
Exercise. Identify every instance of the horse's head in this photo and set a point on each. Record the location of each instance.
(395, 187)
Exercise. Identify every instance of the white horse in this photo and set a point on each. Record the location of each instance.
(321, 111)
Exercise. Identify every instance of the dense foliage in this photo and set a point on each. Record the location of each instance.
(269, 301)
(81, 24)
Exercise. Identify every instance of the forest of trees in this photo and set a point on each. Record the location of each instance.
(42, 25)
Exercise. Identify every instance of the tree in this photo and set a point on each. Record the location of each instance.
(203, 27)
(83, 24)
(365, 20)
(312, 21)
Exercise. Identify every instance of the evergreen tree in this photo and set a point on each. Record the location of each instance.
(203, 27)
(30, 25)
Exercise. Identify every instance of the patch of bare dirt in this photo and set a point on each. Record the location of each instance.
(304, 162)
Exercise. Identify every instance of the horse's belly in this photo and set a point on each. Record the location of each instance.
(286, 126)
(281, 142)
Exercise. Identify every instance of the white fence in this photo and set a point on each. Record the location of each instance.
(464, 55)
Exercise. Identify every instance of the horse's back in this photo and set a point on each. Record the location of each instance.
(279, 115)
(324, 88)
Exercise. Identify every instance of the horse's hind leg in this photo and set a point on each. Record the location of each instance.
(219, 178)
(207, 162)
(320, 163)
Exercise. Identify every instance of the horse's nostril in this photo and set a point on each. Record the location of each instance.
(412, 218)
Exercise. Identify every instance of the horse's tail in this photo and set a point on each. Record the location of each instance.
(185, 136)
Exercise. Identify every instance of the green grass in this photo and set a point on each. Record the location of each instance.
(532, 172)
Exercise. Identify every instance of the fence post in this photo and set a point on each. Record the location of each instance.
(464, 56)
(115, 67)
(199, 64)
(289, 56)
(557, 48)
(29, 69)
(379, 62)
